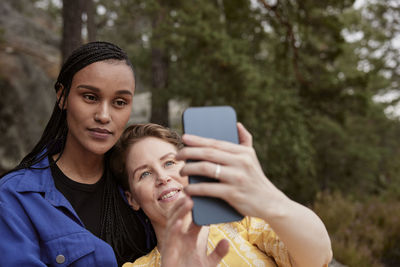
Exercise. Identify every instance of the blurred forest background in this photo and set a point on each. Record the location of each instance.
(316, 82)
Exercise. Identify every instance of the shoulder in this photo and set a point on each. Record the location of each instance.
(35, 179)
(153, 258)
(11, 181)
(14, 185)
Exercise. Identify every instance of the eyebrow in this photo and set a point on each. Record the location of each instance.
(145, 165)
(97, 90)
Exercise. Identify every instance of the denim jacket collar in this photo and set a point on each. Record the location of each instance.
(41, 181)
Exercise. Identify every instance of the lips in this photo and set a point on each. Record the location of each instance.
(100, 133)
(169, 194)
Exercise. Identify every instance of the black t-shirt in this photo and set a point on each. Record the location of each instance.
(86, 199)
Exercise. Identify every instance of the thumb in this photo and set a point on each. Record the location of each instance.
(245, 137)
(218, 253)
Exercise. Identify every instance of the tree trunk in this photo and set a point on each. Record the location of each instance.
(90, 9)
(72, 27)
(159, 99)
(159, 66)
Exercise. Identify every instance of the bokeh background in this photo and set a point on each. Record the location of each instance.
(316, 82)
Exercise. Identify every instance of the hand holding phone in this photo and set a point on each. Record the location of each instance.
(217, 122)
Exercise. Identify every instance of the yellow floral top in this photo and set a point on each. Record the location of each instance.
(252, 243)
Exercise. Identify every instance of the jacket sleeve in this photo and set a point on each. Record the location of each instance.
(19, 245)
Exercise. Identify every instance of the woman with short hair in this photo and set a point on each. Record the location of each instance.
(149, 161)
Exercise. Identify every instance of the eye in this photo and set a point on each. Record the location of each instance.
(169, 163)
(144, 174)
(90, 97)
(120, 103)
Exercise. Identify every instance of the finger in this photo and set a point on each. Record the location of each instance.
(194, 230)
(226, 174)
(170, 235)
(197, 141)
(231, 194)
(245, 137)
(176, 206)
(210, 154)
(182, 208)
(179, 210)
(174, 230)
(219, 190)
(219, 252)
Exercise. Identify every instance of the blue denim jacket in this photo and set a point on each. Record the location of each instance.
(39, 227)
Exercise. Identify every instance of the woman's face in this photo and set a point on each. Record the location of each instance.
(98, 106)
(154, 179)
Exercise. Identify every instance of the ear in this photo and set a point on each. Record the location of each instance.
(131, 200)
(61, 97)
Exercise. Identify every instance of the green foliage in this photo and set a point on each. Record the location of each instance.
(363, 232)
(303, 83)
(359, 156)
(301, 89)
(283, 143)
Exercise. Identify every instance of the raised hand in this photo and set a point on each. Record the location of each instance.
(187, 245)
(243, 182)
(245, 187)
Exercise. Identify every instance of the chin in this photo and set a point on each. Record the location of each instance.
(99, 150)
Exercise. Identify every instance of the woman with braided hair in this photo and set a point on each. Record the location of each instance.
(60, 205)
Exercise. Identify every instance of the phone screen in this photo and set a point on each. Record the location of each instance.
(217, 122)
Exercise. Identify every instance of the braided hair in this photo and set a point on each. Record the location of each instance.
(125, 230)
(55, 133)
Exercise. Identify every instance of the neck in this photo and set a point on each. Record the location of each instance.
(80, 166)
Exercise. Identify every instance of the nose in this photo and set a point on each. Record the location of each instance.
(102, 114)
(163, 179)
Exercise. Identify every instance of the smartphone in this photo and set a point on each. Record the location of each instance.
(217, 122)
